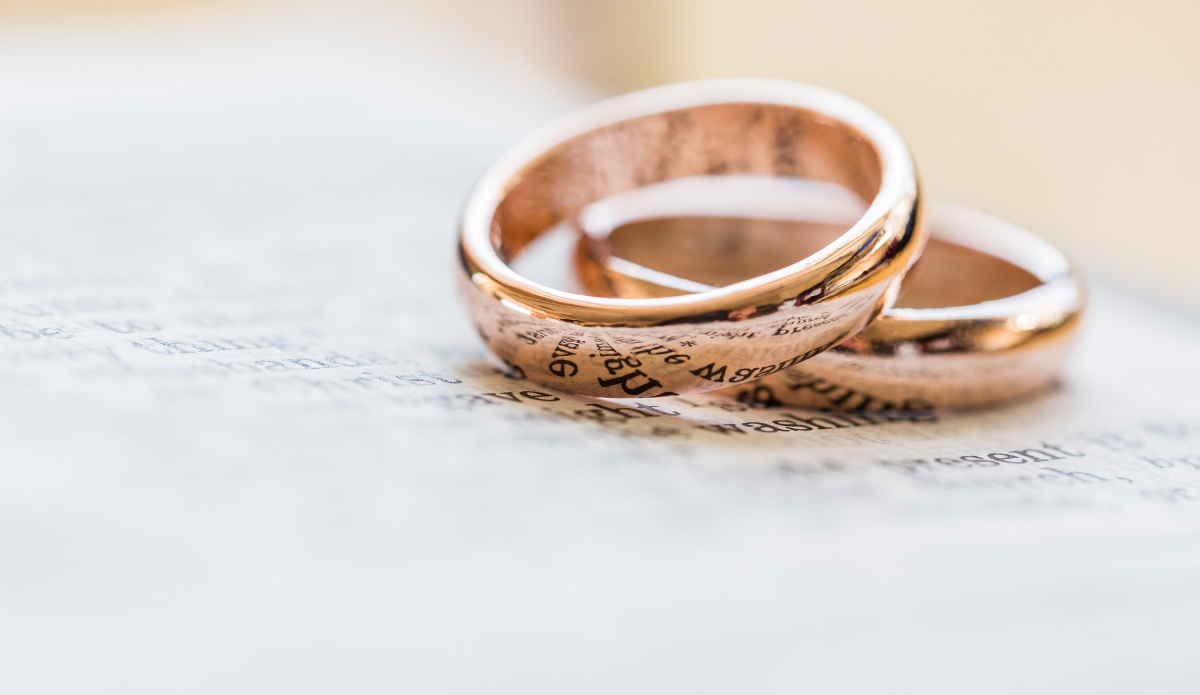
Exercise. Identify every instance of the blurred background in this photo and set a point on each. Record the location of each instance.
(1075, 119)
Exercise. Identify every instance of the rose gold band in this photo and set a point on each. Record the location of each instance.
(622, 347)
(991, 308)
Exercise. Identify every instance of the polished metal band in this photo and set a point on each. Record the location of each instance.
(991, 308)
(646, 347)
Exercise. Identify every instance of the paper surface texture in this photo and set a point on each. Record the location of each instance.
(249, 444)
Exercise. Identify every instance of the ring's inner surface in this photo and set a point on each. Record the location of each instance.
(954, 275)
(720, 251)
(713, 140)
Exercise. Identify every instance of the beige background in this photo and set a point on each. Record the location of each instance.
(1076, 119)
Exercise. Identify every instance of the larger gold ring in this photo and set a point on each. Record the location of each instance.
(665, 346)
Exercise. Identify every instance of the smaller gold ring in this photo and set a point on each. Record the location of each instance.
(993, 345)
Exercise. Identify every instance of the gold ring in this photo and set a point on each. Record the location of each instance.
(617, 347)
(986, 316)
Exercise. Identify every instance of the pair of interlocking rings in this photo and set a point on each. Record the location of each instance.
(755, 235)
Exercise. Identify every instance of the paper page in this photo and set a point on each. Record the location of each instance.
(250, 444)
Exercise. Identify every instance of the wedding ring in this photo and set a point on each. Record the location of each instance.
(986, 316)
(658, 346)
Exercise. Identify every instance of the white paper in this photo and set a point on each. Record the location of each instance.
(249, 444)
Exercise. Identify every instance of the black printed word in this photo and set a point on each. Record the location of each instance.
(28, 335)
(830, 421)
(633, 383)
(332, 361)
(162, 347)
(846, 398)
(1190, 461)
(567, 347)
(712, 372)
(1046, 452)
